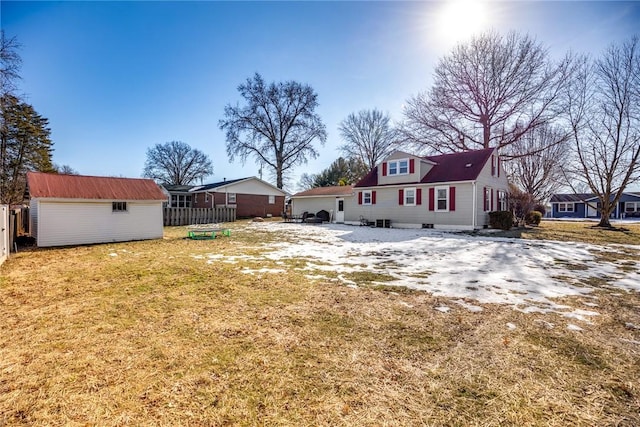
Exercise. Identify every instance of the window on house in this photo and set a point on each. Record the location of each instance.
(632, 207)
(180, 201)
(119, 207)
(231, 198)
(442, 198)
(366, 197)
(410, 196)
(502, 200)
(272, 200)
(565, 207)
(206, 197)
(398, 167)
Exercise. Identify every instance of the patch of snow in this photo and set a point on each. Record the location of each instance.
(470, 307)
(590, 304)
(443, 309)
(262, 270)
(526, 274)
(573, 327)
(511, 326)
(631, 326)
(630, 341)
(406, 304)
(113, 254)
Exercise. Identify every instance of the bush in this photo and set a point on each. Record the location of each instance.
(533, 218)
(539, 207)
(501, 219)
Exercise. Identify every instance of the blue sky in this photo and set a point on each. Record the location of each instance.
(115, 78)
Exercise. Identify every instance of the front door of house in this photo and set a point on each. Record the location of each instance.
(339, 210)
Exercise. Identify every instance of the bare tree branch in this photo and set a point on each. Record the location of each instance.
(176, 163)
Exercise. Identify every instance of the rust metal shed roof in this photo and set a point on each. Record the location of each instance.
(341, 190)
(58, 186)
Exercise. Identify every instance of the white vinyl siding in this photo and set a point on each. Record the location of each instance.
(76, 223)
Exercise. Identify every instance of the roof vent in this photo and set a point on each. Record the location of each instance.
(468, 165)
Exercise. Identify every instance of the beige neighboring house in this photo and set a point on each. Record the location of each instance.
(329, 199)
(76, 209)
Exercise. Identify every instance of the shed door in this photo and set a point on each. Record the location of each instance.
(340, 210)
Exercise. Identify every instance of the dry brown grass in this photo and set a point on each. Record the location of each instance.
(156, 336)
(574, 231)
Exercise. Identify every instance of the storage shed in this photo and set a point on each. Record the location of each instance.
(75, 209)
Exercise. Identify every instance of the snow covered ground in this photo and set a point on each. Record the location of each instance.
(482, 269)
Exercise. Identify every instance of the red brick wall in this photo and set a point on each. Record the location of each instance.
(247, 205)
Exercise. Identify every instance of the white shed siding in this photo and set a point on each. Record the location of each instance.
(313, 204)
(33, 213)
(72, 223)
(387, 207)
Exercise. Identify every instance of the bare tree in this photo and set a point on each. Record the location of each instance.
(10, 63)
(538, 159)
(277, 126)
(603, 104)
(369, 136)
(65, 169)
(486, 93)
(176, 163)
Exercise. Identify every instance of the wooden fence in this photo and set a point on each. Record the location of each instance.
(190, 216)
(5, 246)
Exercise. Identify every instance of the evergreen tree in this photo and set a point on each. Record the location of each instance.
(25, 145)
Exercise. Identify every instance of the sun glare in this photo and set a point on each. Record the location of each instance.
(458, 20)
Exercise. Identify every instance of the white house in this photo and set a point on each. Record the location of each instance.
(75, 209)
(451, 191)
(329, 199)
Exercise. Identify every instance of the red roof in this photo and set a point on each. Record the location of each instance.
(338, 190)
(465, 166)
(58, 186)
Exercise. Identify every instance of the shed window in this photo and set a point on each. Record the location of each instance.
(119, 207)
(272, 200)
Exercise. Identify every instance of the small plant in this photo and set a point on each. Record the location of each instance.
(533, 218)
(501, 219)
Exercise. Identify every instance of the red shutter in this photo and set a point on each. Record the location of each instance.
(373, 197)
(359, 197)
(493, 165)
(419, 196)
(432, 199)
(401, 196)
(484, 199)
(498, 166)
(412, 165)
(452, 198)
(384, 169)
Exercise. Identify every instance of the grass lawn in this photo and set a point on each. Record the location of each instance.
(150, 333)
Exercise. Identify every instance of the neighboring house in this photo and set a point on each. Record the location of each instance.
(75, 209)
(250, 196)
(588, 206)
(452, 191)
(329, 199)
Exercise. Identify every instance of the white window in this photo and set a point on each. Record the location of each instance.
(502, 200)
(398, 167)
(410, 196)
(565, 207)
(632, 207)
(231, 198)
(366, 197)
(272, 200)
(180, 201)
(119, 207)
(442, 198)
